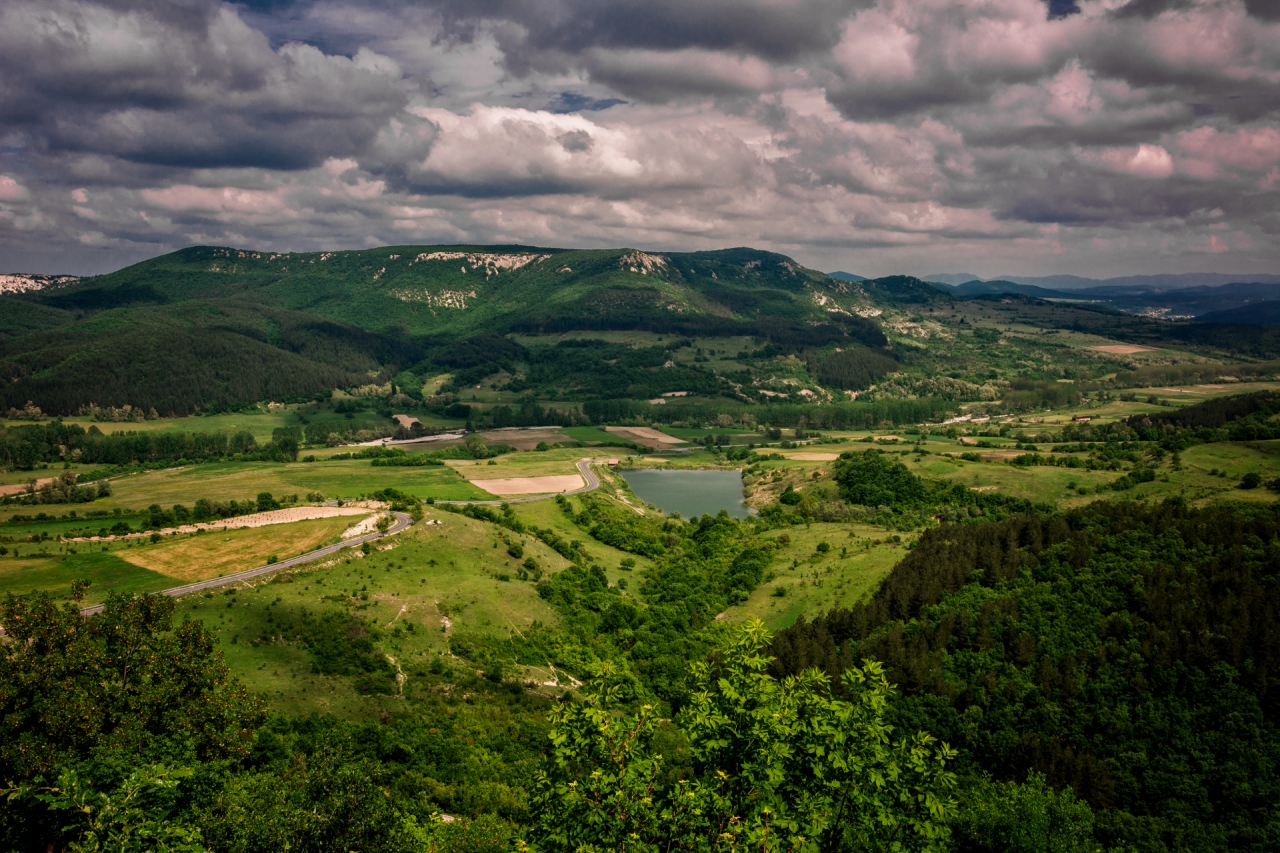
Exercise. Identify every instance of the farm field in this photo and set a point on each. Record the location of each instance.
(139, 565)
(345, 478)
(260, 424)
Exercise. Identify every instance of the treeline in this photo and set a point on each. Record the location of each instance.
(527, 414)
(603, 369)
(63, 489)
(24, 447)
(795, 335)
(875, 488)
(1245, 417)
(1122, 650)
(1212, 414)
(1188, 372)
(852, 415)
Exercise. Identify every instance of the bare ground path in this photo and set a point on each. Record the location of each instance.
(402, 522)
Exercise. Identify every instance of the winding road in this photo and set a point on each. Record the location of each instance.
(402, 522)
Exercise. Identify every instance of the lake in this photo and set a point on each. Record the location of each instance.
(690, 493)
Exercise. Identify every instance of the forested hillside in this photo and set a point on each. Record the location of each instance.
(211, 328)
(1124, 651)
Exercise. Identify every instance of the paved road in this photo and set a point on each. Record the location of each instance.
(402, 522)
(584, 468)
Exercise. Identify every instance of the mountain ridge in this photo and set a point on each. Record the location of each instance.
(1158, 281)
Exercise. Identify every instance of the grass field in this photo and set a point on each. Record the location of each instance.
(345, 478)
(260, 423)
(805, 581)
(218, 552)
(53, 574)
(588, 434)
(533, 464)
(139, 565)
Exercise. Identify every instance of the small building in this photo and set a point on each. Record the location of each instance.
(1081, 418)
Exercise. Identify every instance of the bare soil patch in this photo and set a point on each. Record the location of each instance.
(1122, 349)
(647, 436)
(258, 519)
(19, 488)
(814, 457)
(530, 485)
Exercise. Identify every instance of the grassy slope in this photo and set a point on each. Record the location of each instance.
(427, 575)
(806, 582)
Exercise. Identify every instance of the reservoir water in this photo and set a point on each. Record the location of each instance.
(690, 493)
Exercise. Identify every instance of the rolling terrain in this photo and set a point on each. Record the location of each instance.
(981, 489)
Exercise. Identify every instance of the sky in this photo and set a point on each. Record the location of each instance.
(1021, 137)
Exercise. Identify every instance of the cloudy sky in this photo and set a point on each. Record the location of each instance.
(1095, 137)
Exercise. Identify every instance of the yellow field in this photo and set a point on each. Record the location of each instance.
(217, 553)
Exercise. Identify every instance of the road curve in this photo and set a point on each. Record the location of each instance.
(402, 522)
(584, 468)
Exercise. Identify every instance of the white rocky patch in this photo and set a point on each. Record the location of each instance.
(438, 299)
(642, 262)
(20, 283)
(490, 262)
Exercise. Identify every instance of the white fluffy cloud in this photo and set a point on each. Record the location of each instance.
(1014, 136)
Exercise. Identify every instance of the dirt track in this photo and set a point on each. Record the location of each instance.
(19, 488)
(258, 519)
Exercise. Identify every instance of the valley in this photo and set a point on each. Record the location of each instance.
(498, 400)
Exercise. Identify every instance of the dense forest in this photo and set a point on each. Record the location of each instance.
(1124, 651)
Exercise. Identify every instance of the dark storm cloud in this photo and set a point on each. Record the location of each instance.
(937, 132)
(183, 84)
(779, 31)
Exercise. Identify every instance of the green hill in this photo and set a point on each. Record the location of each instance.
(210, 326)
(466, 289)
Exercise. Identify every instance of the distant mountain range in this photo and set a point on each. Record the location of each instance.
(1168, 296)
(1258, 313)
(1152, 282)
